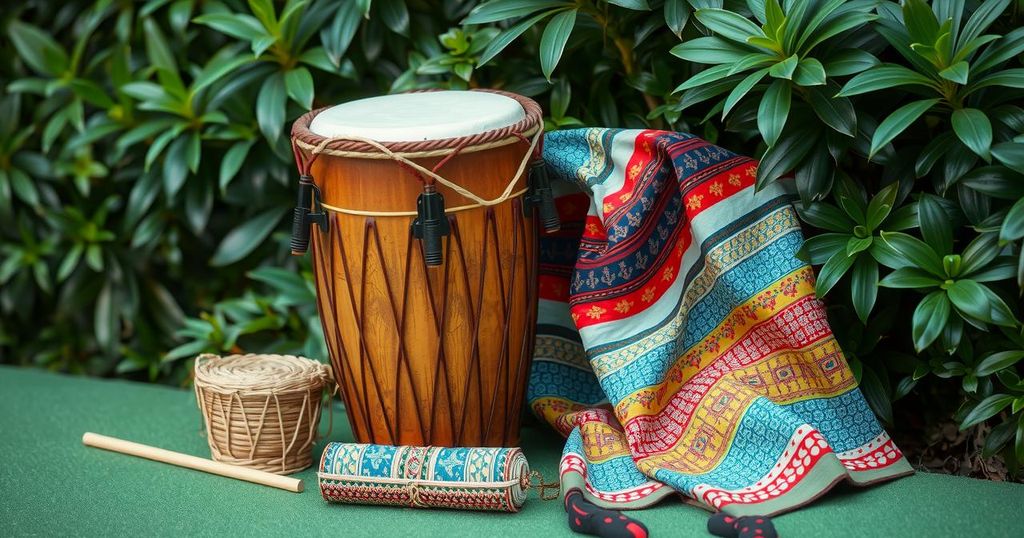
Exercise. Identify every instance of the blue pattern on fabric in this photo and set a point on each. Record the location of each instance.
(548, 378)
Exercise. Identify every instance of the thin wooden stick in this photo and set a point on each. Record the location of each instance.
(192, 462)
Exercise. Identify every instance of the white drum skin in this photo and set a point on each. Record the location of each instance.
(414, 117)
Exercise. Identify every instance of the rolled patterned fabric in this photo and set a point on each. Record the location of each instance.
(425, 477)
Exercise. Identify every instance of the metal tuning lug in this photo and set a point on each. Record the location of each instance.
(431, 223)
(542, 197)
(308, 211)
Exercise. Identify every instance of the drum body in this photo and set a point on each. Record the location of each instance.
(428, 355)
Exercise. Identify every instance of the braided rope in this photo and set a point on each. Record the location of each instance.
(466, 193)
(354, 147)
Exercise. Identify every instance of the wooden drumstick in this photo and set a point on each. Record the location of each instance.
(192, 462)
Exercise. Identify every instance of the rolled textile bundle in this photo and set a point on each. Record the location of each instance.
(425, 477)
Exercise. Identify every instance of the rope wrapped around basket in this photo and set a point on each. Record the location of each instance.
(261, 411)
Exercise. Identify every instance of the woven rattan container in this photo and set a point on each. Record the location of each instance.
(261, 411)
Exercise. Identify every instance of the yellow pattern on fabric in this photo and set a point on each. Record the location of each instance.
(602, 442)
(727, 254)
(552, 409)
(707, 439)
(651, 400)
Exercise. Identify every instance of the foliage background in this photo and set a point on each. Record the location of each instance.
(145, 168)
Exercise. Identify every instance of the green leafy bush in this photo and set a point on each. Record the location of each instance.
(145, 168)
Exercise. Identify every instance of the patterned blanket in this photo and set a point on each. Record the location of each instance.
(680, 346)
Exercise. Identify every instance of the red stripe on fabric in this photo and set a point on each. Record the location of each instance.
(719, 187)
(800, 460)
(642, 155)
(553, 288)
(643, 297)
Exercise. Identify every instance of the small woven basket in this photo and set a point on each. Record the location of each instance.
(261, 411)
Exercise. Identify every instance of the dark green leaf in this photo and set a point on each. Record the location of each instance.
(876, 395)
(636, 5)
(957, 72)
(503, 39)
(858, 244)
(897, 122)
(500, 10)
(741, 90)
(827, 217)
(299, 85)
(232, 162)
(815, 175)
(774, 111)
(237, 25)
(836, 112)
(677, 13)
(40, 51)
(929, 319)
(935, 224)
(909, 277)
(175, 168)
(981, 19)
(849, 62)
(809, 72)
(728, 24)
(711, 74)
(864, 286)
(710, 50)
(239, 242)
(781, 158)
(1011, 154)
(998, 361)
(936, 149)
(995, 181)
(270, 107)
(1009, 78)
(986, 409)
(218, 68)
(822, 246)
(884, 77)
(785, 68)
(395, 15)
(1010, 45)
(922, 25)
(1013, 224)
(913, 250)
(880, 206)
(105, 321)
(979, 253)
(553, 40)
(974, 130)
(832, 271)
(969, 298)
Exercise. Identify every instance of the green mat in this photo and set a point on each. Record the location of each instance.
(52, 485)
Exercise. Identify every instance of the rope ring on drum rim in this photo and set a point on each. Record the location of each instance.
(448, 148)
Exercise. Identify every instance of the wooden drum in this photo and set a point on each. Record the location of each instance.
(421, 217)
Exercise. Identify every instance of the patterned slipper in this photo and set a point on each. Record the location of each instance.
(726, 526)
(586, 518)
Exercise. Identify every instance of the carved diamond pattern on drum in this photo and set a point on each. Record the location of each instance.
(430, 356)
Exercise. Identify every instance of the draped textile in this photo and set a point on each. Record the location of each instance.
(680, 346)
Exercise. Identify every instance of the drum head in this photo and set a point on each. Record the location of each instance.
(413, 117)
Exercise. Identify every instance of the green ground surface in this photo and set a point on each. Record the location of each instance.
(50, 484)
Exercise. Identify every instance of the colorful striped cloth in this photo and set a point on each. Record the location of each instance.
(680, 345)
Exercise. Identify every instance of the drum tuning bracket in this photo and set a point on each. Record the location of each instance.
(541, 197)
(308, 211)
(431, 224)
